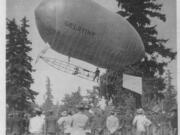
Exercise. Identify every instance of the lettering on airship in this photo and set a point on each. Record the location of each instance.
(79, 28)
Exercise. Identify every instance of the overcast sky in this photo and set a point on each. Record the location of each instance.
(64, 83)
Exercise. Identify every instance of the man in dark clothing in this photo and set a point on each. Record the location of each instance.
(26, 123)
(90, 116)
(16, 124)
(51, 124)
(98, 122)
(9, 124)
(97, 73)
(174, 121)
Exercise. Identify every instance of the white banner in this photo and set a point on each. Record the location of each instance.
(132, 83)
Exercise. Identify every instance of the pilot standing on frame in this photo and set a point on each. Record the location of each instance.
(97, 73)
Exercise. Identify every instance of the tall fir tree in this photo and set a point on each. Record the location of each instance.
(140, 14)
(48, 104)
(19, 95)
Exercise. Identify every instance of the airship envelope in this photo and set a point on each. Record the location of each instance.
(87, 31)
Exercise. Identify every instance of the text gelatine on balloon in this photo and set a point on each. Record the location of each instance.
(78, 28)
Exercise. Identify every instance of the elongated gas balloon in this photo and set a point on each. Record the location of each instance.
(85, 30)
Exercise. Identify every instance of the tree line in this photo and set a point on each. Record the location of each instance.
(19, 95)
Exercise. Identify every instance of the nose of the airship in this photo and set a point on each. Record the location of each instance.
(45, 15)
(46, 12)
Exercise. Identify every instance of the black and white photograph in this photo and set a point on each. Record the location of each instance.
(90, 67)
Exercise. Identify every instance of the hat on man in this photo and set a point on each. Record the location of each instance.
(140, 111)
(50, 111)
(80, 106)
(87, 106)
(112, 112)
(64, 113)
(37, 109)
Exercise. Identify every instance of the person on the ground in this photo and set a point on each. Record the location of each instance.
(141, 122)
(36, 123)
(9, 124)
(16, 124)
(51, 123)
(65, 122)
(112, 123)
(98, 122)
(79, 121)
(26, 123)
(22, 123)
(174, 121)
(60, 122)
(96, 74)
(89, 114)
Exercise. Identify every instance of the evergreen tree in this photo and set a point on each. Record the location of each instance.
(71, 100)
(48, 104)
(140, 14)
(19, 95)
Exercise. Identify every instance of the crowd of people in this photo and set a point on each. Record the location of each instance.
(84, 121)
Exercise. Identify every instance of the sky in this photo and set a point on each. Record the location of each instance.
(61, 82)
